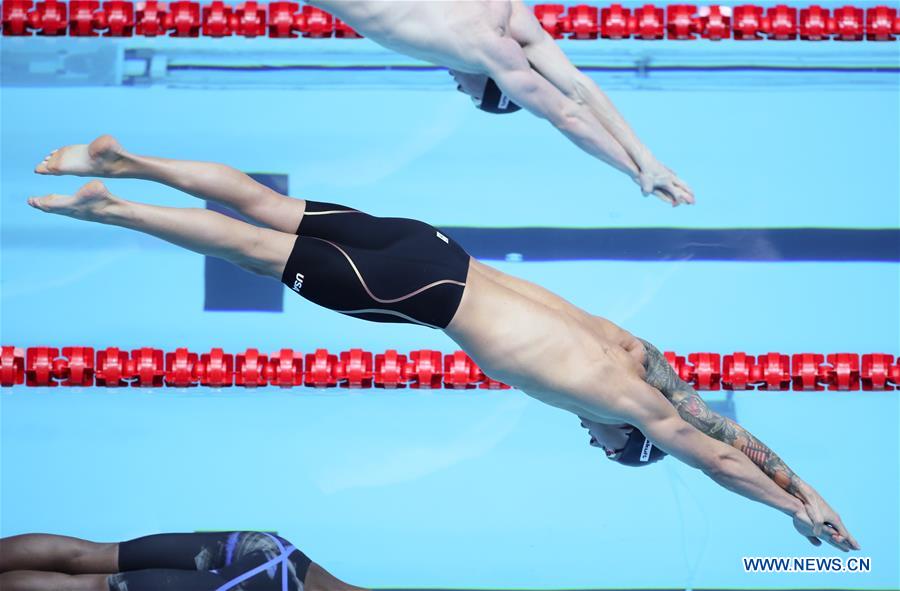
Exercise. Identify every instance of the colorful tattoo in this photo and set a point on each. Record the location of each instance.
(693, 410)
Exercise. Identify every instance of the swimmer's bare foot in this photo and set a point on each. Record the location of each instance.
(102, 157)
(92, 202)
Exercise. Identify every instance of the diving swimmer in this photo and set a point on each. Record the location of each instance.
(403, 270)
(501, 56)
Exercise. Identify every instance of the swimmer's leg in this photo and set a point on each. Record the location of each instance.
(419, 279)
(105, 157)
(167, 562)
(29, 580)
(59, 554)
(259, 250)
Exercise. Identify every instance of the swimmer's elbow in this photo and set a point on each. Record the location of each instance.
(566, 118)
(712, 457)
(569, 115)
(721, 463)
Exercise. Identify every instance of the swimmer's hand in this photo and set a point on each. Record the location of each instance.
(656, 179)
(817, 521)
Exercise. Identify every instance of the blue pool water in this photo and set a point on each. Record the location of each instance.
(440, 489)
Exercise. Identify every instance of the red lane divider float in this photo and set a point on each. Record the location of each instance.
(425, 369)
(746, 22)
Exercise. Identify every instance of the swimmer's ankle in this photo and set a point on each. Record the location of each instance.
(125, 166)
(117, 212)
(108, 157)
(111, 210)
(132, 166)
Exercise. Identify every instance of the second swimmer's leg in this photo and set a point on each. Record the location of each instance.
(259, 250)
(105, 157)
(30, 580)
(61, 554)
(251, 561)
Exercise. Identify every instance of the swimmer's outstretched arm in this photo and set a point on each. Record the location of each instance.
(512, 73)
(692, 409)
(646, 409)
(550, 62)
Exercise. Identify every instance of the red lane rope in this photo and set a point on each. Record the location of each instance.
(119, 18)
(424, 369)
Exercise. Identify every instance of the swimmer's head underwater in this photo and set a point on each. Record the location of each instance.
(485, 93)
(623, 444)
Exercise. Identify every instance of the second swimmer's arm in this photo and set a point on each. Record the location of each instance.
(551, 62)
(548, 60)
(528, 89)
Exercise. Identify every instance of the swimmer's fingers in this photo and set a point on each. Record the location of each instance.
(831, 527)
(824, 529)
(686, 191)
(683, 185)
(664, 196)
(831, 534)
(837, 541)
(839, 533)
(665, 186)
(675, 190)
(683, 196)
(674, 187)
(832, 540)
(854, 545)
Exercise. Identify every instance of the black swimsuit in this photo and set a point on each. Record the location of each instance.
(378, 269)
(242, 561)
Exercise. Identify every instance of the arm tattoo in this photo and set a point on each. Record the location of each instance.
(693, 410)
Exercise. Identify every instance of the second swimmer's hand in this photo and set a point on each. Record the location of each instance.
(826, 524)
(804, 526)
(816, 524)
(656, 179)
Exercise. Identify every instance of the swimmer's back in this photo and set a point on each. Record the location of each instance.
(450, 34)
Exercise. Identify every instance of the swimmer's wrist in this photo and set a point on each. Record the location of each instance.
(644, 159)
(795, 508)
(803, 492)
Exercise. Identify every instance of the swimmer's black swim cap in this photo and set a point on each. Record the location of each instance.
(493, 100)
(638, 451)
